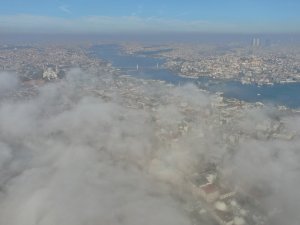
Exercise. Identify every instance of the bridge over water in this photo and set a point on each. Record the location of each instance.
(140, 68)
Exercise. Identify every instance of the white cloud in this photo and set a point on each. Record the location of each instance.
(65, 9)
(91, 170)
(8, 82)
(100, 24)
(70, 157)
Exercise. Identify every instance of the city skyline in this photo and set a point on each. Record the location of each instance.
(91, 16)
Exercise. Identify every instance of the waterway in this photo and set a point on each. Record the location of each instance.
(279, 94)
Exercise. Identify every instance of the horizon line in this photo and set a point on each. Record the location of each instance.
(27, 23)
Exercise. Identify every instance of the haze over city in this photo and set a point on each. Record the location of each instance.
(90, 16)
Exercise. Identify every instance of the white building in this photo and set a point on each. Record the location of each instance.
(50, 74)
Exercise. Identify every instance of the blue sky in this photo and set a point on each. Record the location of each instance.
(238, 16)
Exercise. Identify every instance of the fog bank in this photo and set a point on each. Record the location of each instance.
(87, 150)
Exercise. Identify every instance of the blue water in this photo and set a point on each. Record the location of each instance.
(113, 54)
(278, 94)
(154, 52)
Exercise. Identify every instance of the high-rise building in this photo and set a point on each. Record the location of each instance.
(255, 42)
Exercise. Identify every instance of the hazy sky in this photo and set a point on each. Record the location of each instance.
(244, 16)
